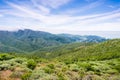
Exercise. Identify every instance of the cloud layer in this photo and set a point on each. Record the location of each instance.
(41, 15)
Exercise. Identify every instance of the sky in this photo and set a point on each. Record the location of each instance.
(84, 17)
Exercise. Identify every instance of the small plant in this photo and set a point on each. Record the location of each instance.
(81, 73)
(48, 70)
(74, 67)
(4, 67)
(51, 66)
(26, 76)
(117, 67)
(60, 76)
(18, 60)
(85, 65)
(31, 64)
(38, 75)
(64, 69)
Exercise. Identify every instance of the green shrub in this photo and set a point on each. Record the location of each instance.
(117, 67)
(112, 71)
(64, 69)
(60, 76)
(5, 57)
(31, 64)
(74, 67)
(19, 60)
(51, 66)
(81, 73)
(85, 65)
(4, 66)
(37, 75)
(48, 70)
(67, 61)
(26, 76)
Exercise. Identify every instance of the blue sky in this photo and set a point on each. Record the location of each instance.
(62, 16)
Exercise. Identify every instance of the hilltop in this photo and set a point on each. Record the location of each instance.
(24, 41)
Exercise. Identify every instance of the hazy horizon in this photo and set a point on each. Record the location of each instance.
(106, 34)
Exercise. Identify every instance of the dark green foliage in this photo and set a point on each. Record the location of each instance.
(31, 64)
(48, 70)
(117, 67)
(5, 56)
(51, 66)
(86, 66)
(60, 76)
(26, 76)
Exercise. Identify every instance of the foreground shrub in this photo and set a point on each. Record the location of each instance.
(31, 64)
(85, 65)
(26, 76)
(74, 67)
(117, 67)
(60, 76)
(5, 57)
(37, 75)
(51, 66)
(19, 60)
(48, 70)
(4, 66)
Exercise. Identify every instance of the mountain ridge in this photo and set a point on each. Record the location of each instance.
(28, 40)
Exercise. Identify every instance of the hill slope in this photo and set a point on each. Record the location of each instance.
(82, 51)
(101, 51)
(29, 40)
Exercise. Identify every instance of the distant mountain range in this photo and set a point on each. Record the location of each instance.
(22, 41)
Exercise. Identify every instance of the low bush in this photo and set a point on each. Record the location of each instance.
(117, 67)
(85, 65)
(37, 75)
(31, 64)
(51, 66)
(5, 57)
(48, 70)
(4, 66)
(60, 76)
(74, 67)
(26, 76)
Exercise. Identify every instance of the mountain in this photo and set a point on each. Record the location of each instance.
(86, 38)
(29, 40)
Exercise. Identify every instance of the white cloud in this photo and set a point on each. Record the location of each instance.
(89, 6)
(53, 3)
(26, 17)
(1, 15)
(41, 7)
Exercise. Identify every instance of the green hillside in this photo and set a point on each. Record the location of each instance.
(101, 51)
(55, 51)
(28, 40)
(82, 51)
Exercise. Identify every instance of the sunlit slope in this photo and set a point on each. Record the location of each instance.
(101, 51)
